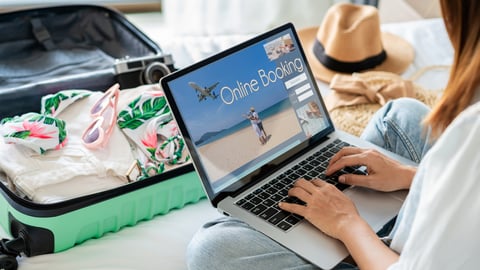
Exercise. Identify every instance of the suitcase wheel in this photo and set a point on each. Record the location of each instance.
(9, 250)
(8, 262)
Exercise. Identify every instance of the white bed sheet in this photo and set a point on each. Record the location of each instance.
(160, 243)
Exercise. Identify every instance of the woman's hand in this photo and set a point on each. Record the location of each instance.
(384, 174)
(327, 208)
(332, 212)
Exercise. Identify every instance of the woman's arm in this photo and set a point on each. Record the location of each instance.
(368, 251)
(331, 211)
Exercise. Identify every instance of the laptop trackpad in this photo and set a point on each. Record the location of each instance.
(377, 208)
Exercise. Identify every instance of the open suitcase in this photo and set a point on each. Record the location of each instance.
(49, 49)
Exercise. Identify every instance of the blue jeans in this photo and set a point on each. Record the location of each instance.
(228, 243)
(397, 127)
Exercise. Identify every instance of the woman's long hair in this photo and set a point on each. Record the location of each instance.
(462, 21)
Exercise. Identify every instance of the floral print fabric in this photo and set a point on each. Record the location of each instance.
(41, 131)
(53, 104)
(35, 131)
(147, 121)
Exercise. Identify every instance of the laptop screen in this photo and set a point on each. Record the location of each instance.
(246, 110)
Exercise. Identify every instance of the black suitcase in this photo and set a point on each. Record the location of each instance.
(45, 50)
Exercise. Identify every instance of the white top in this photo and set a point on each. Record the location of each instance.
(437, 227)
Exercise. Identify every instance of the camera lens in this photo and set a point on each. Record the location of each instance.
(154, 72)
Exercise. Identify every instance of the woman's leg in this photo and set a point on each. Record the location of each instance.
(397, 127)
(228, 243)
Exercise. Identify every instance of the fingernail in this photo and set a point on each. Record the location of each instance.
(341, 179)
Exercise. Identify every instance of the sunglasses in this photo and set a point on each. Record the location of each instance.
(104, 113)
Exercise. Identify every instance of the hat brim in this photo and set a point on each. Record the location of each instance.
(400, 54)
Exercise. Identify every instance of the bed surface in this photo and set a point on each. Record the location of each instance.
(160, 243)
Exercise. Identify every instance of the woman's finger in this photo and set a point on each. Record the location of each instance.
(319, 182)
(293, 208)
(305, 184)
(345, 151)
(358, 159)
(300, 193)
(355, 180)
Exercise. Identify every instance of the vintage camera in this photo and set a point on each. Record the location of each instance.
(132, 72)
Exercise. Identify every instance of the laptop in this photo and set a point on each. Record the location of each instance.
(254, 121)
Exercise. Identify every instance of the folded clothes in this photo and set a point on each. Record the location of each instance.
(149, 125)
(35, 131)
(75, 187)
(42, 131)
(54, 104)
(31, 171)
(145, 134)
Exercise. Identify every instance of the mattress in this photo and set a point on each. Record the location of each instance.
(161, 242)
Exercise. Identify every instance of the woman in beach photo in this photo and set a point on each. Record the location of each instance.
(257, 125)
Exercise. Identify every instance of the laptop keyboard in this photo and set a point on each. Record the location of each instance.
(263, 201)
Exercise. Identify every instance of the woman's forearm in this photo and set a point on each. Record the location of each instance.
(368, 251)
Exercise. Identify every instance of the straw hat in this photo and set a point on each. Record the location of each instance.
(349, 40)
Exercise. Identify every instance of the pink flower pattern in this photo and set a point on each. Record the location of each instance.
(150, 140)
(36, 129)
